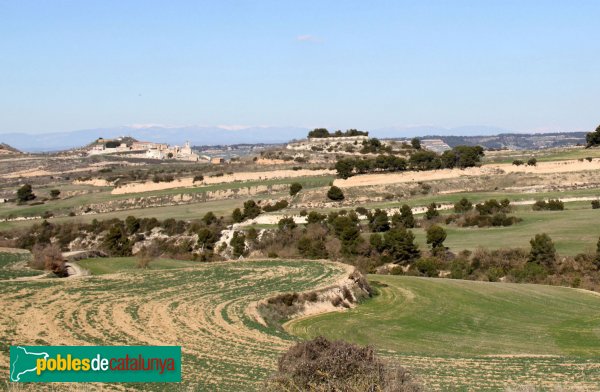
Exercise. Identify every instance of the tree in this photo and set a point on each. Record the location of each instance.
(595, 204)
(593, 138)
(399, 244)
(116, 241)
(518, 162)
(54, 193)
(25, 193)
(170, 155)
(345, 167)
(287, 223)
(542, 250)
(132, 224)
(207, 238)
(431, 212)
(251, 209)
(415, 143)
(334, 193)
(532, 162)
(237, 215)
(295, 188)
(436, 237)
(238, 244)
(315, 217)
(209, 218)
(463, 205)
(405, 218)
(319, 133)
(379, 222)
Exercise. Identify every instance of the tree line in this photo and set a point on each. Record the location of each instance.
(458, 157)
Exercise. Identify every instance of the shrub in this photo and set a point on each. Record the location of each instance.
(334, 193)
(379, 222)
(431, 212)
(324, 365)
(25, 193)
(198, 178)
(49, 258)
(550, 205)
(405, 218)
(251, 209)
(542, 250)
(595, 204)
(238, 244)
(518, 162)
(295, 188)
(237, 215)
(436, 237)
(287, 223)
(54, 193)
(427, 267)
(464, 205)
(279, 205)
(532, 162)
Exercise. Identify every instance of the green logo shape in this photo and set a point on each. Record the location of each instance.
(95, 363)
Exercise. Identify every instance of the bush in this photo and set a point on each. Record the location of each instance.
(464, 205)
(238, 244)
(295, 188)
(251, 209)
(595, 204)
(49, 258)
(431, 212)
(198, 178)
(542, 250)
(324, 365)
(518, 162)
(25, 193)
(427, 267)
(436, 237)
(334, 193)
(532, 162)
(54, 193)
(550, 205)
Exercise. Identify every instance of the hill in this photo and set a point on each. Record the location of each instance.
(7, 149)
(436, 324)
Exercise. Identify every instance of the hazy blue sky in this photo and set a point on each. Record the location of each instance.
(522, 65)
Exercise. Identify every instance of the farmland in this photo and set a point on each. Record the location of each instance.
(203, 308)
(461, 334)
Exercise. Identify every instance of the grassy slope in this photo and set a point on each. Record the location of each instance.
(8, 269)
(573, 231)
(437, 326)
(121, 264)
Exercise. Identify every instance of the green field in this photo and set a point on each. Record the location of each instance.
(12, 265)
(574, 230)
(451, 332)
(112, 265)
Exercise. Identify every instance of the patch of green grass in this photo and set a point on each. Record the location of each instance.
(12, 265)
(574, 230)
(425, 322)
(111, 265)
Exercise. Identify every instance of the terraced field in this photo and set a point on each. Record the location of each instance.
(204, 308)
(463, 335)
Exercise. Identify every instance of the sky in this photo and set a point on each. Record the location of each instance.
(522, 65)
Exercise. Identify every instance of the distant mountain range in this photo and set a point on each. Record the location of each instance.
(219, 135)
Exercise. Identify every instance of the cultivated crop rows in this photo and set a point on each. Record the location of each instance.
(204, 309)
